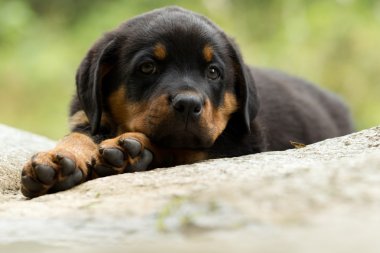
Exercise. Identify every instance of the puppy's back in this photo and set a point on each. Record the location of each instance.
(292, 109)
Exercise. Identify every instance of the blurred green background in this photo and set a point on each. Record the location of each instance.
(335, 43)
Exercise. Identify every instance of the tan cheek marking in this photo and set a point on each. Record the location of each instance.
(123, 111)
(207, 121)
(160, 51)
(230, 105)
(216, 119)
(151, 115)
(136, 117)
(208, 53)
(117, 104)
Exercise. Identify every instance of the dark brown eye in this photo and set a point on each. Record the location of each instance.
(213, 73)
(148, 68)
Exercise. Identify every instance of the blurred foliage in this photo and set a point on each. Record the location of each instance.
(334, 43)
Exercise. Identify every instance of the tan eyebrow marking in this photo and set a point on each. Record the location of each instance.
(208, 53)
(160, 51)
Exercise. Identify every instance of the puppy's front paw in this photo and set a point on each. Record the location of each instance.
(126, 153)
(48, 172)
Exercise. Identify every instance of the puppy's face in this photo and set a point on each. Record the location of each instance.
(169, 74)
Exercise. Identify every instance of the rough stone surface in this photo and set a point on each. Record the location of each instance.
(16, 147)
(321, 198)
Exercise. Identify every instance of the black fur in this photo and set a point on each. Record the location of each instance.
(274, 108)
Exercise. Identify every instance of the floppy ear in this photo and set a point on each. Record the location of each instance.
(245, 88)
(89, 79)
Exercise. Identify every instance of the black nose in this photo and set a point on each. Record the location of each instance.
(187, 105)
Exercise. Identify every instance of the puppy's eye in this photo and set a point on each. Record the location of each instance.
(213, 73)
(148, 68)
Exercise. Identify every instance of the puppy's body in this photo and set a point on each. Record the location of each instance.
(169, 87)
(292, 109)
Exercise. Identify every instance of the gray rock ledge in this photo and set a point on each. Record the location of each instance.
(321, 198)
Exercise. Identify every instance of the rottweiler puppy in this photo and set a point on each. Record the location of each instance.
(169, 87)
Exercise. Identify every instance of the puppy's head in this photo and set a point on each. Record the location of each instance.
(170, 74)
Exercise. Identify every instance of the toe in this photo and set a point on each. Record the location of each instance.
(77, 176)
(113, 156)
(65, 184)
(67, 165)
(45, 174)
(30, 194)
(31, 184)
(143, 163)
(132, 146)
(103, 171)
(69, 182)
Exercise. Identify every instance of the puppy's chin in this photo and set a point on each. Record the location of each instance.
(182, 139)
